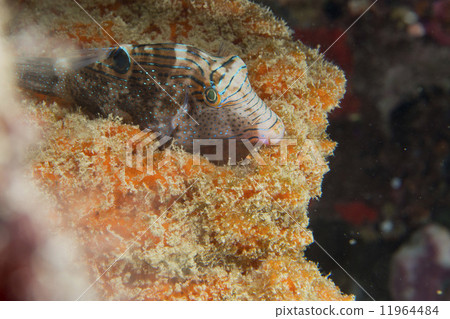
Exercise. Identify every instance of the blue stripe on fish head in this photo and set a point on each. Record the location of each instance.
(235, 110)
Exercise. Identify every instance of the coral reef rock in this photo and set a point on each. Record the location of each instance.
(426, 255)
(189, 230)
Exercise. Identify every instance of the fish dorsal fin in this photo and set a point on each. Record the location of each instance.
(83, 58)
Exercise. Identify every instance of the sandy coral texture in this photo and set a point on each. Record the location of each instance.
(189, 232)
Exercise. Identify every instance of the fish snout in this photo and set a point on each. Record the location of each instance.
(269, 129)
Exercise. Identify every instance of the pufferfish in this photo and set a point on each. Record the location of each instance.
(176, 90)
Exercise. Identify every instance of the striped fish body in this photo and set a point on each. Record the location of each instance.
(173, 89)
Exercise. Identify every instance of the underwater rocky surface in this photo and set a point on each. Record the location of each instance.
(189, 231)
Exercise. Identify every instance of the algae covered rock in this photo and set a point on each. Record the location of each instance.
(189, 229)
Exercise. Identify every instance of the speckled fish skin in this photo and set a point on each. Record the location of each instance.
(204, 96)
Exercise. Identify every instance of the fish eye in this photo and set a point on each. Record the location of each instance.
(121, 60)
(211, 97)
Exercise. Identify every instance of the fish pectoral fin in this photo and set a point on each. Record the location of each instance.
(182, 112)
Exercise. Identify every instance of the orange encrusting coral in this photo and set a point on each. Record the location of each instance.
(190, 231)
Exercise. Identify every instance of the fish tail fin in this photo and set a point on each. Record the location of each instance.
(37, 74)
